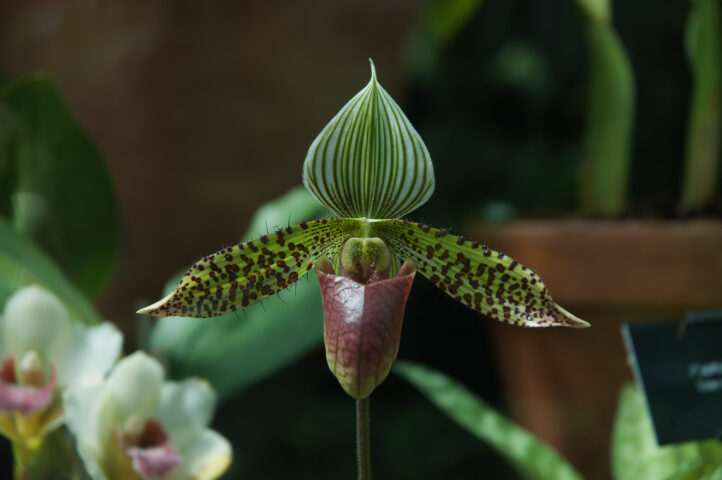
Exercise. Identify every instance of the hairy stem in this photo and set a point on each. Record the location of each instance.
(363, 444)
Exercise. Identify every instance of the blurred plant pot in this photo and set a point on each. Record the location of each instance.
(562, 383)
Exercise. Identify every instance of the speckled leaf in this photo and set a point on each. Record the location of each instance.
(369, 161)
(480, 278)
(239, 276)
(532, 458)
(266, 337)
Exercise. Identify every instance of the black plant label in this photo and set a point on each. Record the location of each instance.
(679, 367)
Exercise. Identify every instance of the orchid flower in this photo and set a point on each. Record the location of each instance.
(42, 353)
(370, 167)
(137, 426)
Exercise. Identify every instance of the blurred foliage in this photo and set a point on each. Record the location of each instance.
(54, 185)
(56, 199)
(636, 455)
(608, 129)
(597, 11)
(261, 338)
(445, 18)
(704, 51)
(529, 455)
(22, 263)
(503, 106)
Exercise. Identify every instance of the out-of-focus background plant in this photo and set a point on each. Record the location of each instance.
(530, 110)
(59, 235)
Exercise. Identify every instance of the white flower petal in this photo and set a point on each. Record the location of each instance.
(185, 408)
(90, 420)
(4, 349)
(205, 458)
(134, 385)
(34, 319)
(86, 354)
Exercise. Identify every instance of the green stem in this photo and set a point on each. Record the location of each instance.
(53, 455)
(363, 444)
(24, 459)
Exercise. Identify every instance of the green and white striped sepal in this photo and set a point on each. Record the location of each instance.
(369, 161)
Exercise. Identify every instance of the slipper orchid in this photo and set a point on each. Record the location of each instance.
(370, 167)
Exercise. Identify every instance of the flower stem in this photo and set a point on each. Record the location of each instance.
(363, 444)
(24, 459)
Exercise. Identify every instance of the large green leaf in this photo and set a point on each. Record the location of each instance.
(487, 281)
(520, 448)
(234, 350)
(636, 455)
(60, 188)
(22, 263)
(369, 161)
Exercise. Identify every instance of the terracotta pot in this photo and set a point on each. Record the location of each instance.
(563, 384)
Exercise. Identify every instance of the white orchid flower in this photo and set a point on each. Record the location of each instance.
(137, 426)
(42, 352)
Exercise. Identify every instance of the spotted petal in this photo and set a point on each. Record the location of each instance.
(239, 276)
(480, 278)
(369, 161)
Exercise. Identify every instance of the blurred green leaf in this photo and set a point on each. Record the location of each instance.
(60, 189)
(446, 18)
(520, 448)
(597, 11)
(610, 114)
(11, 145)
(702, 158)
(439, 24)
(636, 455)
(235, 350)
(5, 78)
(22, 263)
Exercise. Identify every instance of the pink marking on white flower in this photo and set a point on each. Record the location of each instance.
(153, 456)
(154, 462)
(23, 398)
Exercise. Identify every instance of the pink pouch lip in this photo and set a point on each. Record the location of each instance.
(362, 326)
